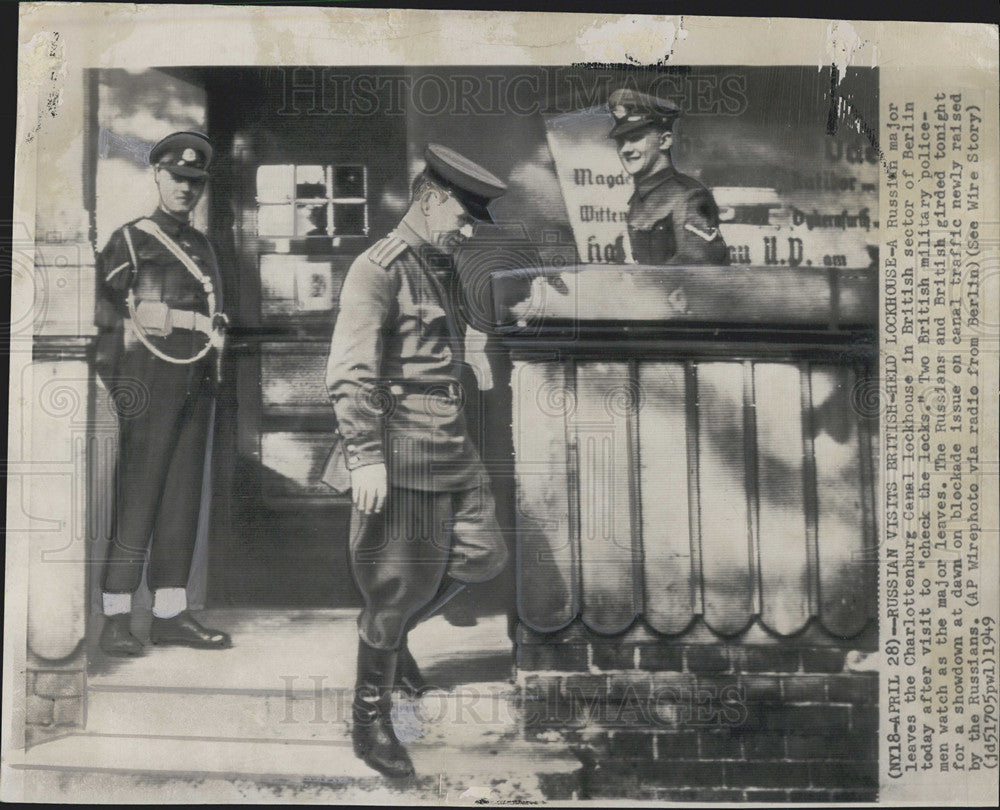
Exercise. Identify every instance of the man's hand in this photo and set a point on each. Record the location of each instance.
(370, 486)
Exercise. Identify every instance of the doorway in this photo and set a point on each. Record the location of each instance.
(296, 197)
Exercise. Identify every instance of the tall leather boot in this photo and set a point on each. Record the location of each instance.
(375, 741)
(447, 590)
(408, 677)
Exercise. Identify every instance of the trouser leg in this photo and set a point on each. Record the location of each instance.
(400, 556)
(176, 526)
(398, 559)
(478, 550)
(145, 447)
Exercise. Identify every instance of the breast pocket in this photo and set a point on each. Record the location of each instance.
(663, 240)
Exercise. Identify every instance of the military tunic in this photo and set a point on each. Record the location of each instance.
(394, 380)
(673, 220)
(164, 409)
(394, 368)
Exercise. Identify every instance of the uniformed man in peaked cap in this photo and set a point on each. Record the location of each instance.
(160, 312)
(423, 523)
(672, 218)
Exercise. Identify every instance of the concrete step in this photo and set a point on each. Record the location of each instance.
(478, 714)
(276, 651)
(122, 767)
(297, 745)
(268, 721)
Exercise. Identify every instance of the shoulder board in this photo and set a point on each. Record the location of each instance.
(690, 184)
(386, 250)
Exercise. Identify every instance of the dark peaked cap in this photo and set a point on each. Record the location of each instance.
(633, 110)
(184, 153)
(472, 185)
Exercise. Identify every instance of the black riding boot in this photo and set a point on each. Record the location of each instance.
(447, 590)
(408, 677)
(375, 740)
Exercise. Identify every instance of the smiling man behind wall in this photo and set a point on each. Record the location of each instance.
(672, 218)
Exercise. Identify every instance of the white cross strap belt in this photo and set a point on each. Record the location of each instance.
(154, 230)
(155, 318)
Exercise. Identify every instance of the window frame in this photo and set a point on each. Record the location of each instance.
(330, 200)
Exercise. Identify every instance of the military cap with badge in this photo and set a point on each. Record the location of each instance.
(633, 110)
(186, 154)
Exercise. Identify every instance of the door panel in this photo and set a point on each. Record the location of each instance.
(305, 195)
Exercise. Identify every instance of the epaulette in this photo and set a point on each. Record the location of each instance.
(386, 250)
(689, 183)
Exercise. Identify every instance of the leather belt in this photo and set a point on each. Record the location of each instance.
(159, 320)
(193, 321)
(446, 389)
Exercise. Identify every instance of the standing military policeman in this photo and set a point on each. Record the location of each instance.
(423, 523)
(672, 218)
(160, 304)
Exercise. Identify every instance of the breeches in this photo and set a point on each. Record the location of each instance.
(400, 555)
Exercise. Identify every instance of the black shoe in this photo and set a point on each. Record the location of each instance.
(408, 678)
(374, 738)
(185, 631)
(117, 638)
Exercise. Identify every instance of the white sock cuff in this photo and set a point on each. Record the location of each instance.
(168, 602)
(116, 603)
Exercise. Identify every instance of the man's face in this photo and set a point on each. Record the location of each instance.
(449, 224)
(640, 150)
(179, 194)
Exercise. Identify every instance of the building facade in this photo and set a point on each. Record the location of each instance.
(690, 497)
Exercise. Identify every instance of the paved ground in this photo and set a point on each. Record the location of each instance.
(267, 721)
(272, 649)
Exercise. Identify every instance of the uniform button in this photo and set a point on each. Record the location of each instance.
(355, 458)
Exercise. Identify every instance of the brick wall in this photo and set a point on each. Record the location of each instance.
(663, 720)
(55, 703)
